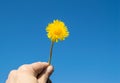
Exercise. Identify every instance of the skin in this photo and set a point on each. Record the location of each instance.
(38, 72)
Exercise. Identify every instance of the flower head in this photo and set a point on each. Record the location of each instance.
(57, 31)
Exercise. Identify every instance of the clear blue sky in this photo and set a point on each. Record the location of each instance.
(91, 54)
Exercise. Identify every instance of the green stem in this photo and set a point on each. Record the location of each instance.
(50, 57)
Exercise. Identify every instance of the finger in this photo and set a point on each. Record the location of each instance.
(39, 67)
(45, 75)
(34, 68)
(11, 76)
(26, 69)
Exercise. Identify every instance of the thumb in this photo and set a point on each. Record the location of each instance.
(45, 75)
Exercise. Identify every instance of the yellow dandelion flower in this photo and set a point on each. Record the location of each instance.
(57, 31)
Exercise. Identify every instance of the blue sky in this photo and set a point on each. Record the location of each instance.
(91, 54)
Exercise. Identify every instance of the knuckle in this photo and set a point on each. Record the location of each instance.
(13, 72)
(24, 67)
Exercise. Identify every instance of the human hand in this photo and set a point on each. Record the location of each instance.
(38, 72)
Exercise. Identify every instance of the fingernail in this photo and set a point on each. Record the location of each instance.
(49, 69)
